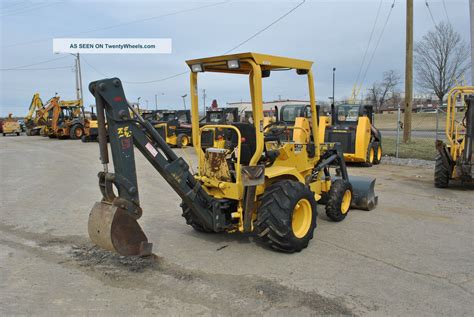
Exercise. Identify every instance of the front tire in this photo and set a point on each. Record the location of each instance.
(182, 140)
(76, 132)
(441, 174)
(339, 200)
(286, 218)
(377, 153)
(192, 220)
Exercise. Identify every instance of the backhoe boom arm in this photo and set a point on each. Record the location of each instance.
(126, 132)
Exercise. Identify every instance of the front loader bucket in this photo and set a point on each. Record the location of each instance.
(113, 229)
(363, 193)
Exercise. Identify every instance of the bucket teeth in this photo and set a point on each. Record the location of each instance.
(112, 228)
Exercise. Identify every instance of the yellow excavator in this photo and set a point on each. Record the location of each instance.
(256, 182)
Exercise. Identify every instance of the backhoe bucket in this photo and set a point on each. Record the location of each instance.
(363, 193)
(113, 229)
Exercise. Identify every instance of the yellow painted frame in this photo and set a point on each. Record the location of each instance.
(252, 64)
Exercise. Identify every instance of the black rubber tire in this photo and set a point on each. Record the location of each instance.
(335, 195)
(18, 134)
(4, 134)
(51, 136)
(72, 132)
(274, 217)
(179, 140)
(368, 163)
(192, 220)
(441, 173)
(376, 146)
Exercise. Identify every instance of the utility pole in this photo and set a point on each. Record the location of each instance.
(156, 101)
(204, 100)
(408, 73)
(79, 95)
(333, 84)
(184, 100)
(471, 15)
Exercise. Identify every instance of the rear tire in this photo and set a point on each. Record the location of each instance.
(441, 174)
(339, 200)
(18, 134)
(369, 159)
(286, 218)
(192, 220)
(182, 140)
(378, 153)
(76, 132)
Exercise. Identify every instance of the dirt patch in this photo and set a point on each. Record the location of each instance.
(258, 293)
(88, 256)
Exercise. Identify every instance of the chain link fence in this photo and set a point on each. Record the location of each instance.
(427, 127)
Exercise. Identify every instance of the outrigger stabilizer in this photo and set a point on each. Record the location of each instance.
(113, 221)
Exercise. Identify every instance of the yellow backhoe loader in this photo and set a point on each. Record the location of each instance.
(455, 159)
(66, 119)
(32, 117)
(257, 182)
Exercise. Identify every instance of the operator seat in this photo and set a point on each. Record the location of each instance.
(249, 142)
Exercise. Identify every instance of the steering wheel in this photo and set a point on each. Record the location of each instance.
(276, 131)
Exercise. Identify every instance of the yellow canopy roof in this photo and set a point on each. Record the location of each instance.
(266, 62)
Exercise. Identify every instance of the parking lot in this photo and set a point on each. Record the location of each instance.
(412, 255)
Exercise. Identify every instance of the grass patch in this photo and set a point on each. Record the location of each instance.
(418, 148)
(419, 121)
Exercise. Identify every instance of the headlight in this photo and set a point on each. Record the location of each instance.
(233, 64)
(196, 68)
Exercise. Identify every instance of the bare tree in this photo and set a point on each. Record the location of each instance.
(380, 92)
(441, 59)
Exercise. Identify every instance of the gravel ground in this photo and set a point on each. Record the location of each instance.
(390, 160)
(412, 255)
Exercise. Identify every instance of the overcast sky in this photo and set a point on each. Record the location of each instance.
(330, 33)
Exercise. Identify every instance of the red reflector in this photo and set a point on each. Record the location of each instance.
(118, 98)
(242, 140)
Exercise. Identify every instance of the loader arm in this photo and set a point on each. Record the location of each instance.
(125, 133)
(36, 103)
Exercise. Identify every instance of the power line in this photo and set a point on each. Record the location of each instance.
(378, 41)
(431, 14)
(18, 69)
(34, 64)
(267, 27)
(368, 44)
(122, 24)
(22, 10)
(233, 48)
(95, 69)
(446, 12)
(14, 4)
(185, 72)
